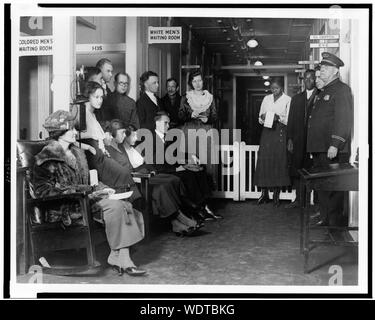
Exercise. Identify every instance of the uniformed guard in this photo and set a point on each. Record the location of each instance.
(329, 132)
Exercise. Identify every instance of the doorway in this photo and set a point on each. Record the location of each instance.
(250, 91)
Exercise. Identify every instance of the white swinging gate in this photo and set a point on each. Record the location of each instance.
(235, 176)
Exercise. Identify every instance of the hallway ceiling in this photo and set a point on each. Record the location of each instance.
(280, 41)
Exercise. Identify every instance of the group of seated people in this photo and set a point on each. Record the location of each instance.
(180, 192)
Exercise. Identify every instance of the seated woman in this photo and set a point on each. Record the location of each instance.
(167, 189)
(109, 171)
(62, 168)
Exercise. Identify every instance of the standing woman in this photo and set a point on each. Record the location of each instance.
(109, 171)
(198, 111)
(272, 166)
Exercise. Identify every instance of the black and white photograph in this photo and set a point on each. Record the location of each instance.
(201, 149)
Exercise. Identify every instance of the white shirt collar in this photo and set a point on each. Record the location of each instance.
(161, 135)
(309, 93)
(152, 97)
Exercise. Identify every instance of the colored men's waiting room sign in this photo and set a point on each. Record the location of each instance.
(35, 46)
(35, 36)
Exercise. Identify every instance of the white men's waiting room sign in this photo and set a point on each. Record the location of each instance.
(164, 35)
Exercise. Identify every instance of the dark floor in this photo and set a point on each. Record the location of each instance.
(253, 245)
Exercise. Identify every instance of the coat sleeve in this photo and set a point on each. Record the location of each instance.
(263, 109)
(141, 113)
(213, 112)
(184, 113)
(44, 182)
(291, 123)
(134, 120)
(343, 109)
(285, 113)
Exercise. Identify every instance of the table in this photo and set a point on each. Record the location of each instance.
(340, 177)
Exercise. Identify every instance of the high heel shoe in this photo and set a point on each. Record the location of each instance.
(185, 233)
(211, 214)
(190, 222)
(264, 198)
(182, 230)
(118, 269)
(134, 271)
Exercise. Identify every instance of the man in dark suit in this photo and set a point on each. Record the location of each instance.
(171, 102)
(193, 176)
(119, 105)
(106, 68)
(148, 103)
(299, 112)
(329, 133)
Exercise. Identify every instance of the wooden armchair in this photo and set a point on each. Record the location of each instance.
(37, 237)
(143, 179)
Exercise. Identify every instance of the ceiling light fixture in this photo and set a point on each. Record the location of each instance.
(266, 83)
(225, 30)
(266, 77)
(252, 43)
(229, 39)
(258, 63)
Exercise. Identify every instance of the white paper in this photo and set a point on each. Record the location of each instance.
(119, 196)
(94, 177)
(268, 122)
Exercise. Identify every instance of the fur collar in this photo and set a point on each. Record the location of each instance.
(53, 151)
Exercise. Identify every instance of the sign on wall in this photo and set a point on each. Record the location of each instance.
(325, 45)
(324, 37)
(164, 35)
(35, 46)
(324, 41)
(100, 48)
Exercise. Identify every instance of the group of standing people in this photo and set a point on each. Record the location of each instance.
(311, 129)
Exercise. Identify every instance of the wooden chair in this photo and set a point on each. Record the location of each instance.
(143, 179)
(39, 237)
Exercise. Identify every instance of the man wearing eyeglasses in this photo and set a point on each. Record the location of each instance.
(121, 106)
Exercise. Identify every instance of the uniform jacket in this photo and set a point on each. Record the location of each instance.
(299, 112)
(330, 120)
(146, 111)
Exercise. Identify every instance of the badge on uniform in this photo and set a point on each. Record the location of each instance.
(326, 97)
